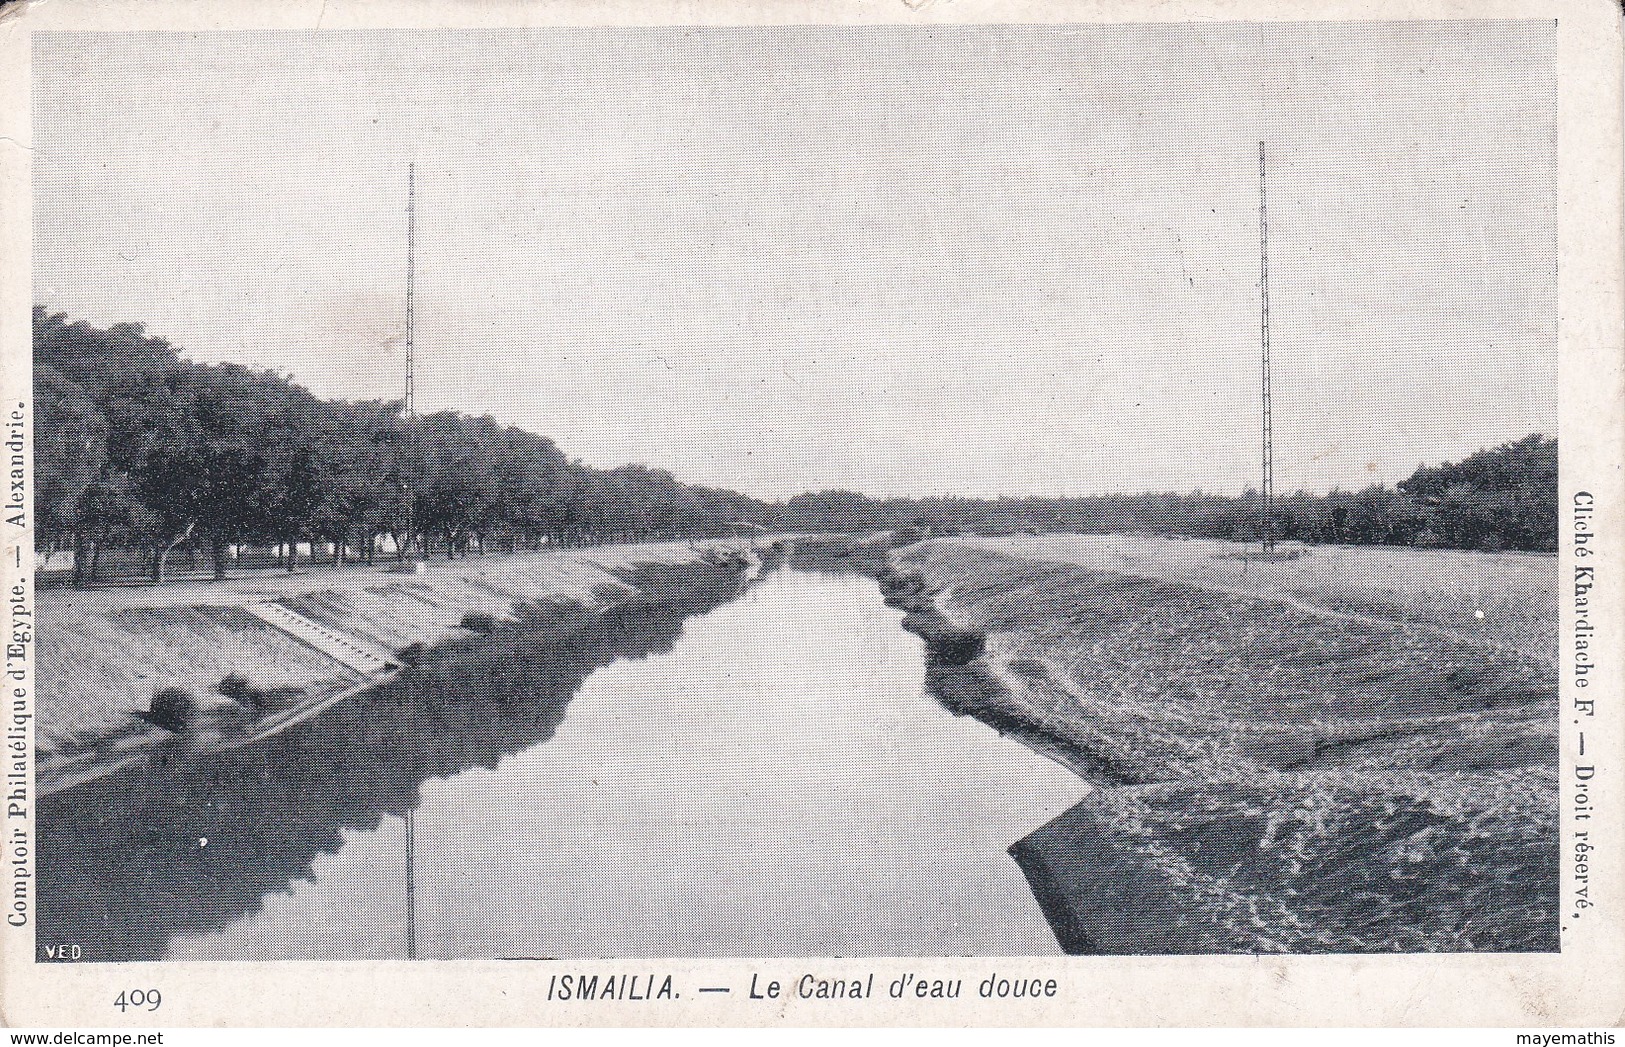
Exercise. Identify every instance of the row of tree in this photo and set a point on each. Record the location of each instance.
(138, 447)
(1501, 498)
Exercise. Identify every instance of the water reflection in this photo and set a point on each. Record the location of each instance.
(777, 784)
(186, 843)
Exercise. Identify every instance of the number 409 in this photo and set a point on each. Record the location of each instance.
(147, 999)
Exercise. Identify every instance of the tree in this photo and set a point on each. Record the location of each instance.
(78, 498)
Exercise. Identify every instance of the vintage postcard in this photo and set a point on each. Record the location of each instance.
(812, 514)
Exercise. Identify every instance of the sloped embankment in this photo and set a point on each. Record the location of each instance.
(121, 868)
(106, 654)
(1271, 776)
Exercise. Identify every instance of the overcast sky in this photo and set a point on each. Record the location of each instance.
(972, 260)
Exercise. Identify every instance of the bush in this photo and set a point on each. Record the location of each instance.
(240, 690)
(479, 622)
(173, 709)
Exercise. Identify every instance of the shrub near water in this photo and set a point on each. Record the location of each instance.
(478, 622)
(238, 689)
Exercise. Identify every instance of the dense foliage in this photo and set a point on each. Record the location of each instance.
(1504, 498)
(138, 447)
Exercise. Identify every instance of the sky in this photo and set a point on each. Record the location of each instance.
(971, 260)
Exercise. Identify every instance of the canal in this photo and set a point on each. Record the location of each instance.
(771, 779)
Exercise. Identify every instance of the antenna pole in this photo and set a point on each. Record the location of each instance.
(411, 358)
(411, 443)
(1268, 492)
(411, 265)
(410, 537)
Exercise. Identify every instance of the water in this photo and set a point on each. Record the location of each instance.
(778, 783)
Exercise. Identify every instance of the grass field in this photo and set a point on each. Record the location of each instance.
(1505, 600)
(1354, 750)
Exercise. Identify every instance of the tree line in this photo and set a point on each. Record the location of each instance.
(1503, 498)
(137, 447)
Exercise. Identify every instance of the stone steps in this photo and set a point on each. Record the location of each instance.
(343, 649)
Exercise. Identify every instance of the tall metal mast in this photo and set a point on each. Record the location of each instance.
(411, 444)
(411, 263)
(411, 359)
(1268, 492)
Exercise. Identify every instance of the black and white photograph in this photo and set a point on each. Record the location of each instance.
(578, 494)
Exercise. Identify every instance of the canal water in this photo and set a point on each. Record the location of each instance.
(778, 783)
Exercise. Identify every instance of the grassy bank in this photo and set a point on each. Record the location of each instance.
(104, 653)
(1353, 751)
